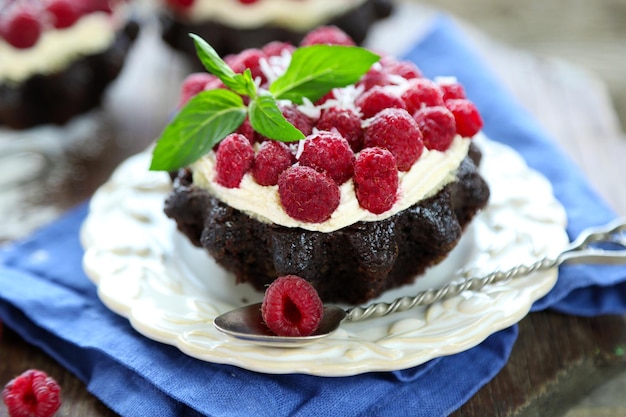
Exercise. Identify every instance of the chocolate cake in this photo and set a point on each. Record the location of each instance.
(233, 36)
(375, 183)
(352, 265)
(32, 95)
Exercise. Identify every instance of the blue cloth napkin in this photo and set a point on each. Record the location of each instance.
(47, 299)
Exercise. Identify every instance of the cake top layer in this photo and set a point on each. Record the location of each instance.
(42, 36)
(294, 14)
(319, 136)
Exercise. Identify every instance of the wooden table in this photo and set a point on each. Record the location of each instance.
(557, 359)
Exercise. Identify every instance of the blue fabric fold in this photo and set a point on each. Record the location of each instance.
(48, 300)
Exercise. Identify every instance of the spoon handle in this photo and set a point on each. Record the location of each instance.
(598, 245)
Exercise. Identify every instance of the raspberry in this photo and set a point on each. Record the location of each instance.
(32, 394)
(272, 158)
(276, 48)
(64, 13)
(330, 35)
(194, 84)
(347, 123)
(451, 89)
(377, 99)
(292, 307)
(468, 119)
(328, 96)
(307, 195)
(375, 76)
(300, 120)
(397, 131)
(248, 1)
(328, 152)
(246, 129)
(21, 29)
(248, 58)
(234, 158)
(422, 92)
(376, 179)
(405, 69)
(183, 4)
(437, 125)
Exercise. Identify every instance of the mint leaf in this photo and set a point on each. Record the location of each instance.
(267, 119)
(206, 119)
(239, 83)
(315, 70)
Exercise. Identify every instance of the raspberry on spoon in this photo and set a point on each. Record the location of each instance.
(292, 307)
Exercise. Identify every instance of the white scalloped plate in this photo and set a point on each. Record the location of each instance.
(170, 291)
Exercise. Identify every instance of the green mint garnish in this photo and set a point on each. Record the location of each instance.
(212, 115)
(317, 69)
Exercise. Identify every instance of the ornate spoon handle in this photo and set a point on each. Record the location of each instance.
(600, 245)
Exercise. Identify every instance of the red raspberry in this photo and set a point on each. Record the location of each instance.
(272, 158)
(377, 99)
(183, 4)
(451, 89)
(90, 6)
(248, 131)
(397, 131)
(22, 28)
(328, 152)
(376, 179)
(422, 92)
(375, 76)
(64, 13)
(347, 123)
(330, 35)
(233, 158)
(248, 1)
(468, 119)
(307, 195)
(438, 127)
(300, 120)
(328, 96)
(292, 307)
(276, 48)
(32, 394)
(405, 69)
(194, 84)
(248, 58)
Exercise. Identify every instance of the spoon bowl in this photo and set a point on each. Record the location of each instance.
(246, 323)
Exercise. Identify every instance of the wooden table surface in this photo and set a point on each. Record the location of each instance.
(557, 359)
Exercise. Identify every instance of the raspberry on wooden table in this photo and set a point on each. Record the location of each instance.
(397, 131)
(308, 195)
(292, 307)
(376, 179)
(328, 152)
(32, 394)
(234, 157)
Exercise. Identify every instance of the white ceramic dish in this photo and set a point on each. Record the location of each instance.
(170, 291)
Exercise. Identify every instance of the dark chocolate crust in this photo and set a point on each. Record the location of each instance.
(229, 40)
(352, 265)
(57, 97)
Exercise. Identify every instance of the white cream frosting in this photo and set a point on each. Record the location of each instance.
(426, 177)
(56, 48)
(291, 14)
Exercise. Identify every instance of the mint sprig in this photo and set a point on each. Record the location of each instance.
(212, 115)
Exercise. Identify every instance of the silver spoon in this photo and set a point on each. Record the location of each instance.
(246, 323)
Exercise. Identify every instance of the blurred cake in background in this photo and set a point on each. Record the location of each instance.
(58, 57)
(231, 26)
